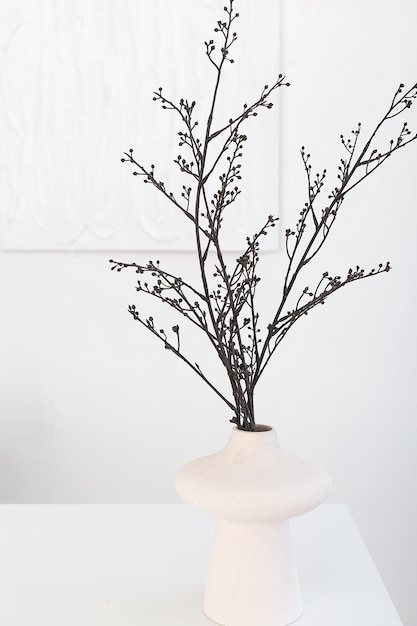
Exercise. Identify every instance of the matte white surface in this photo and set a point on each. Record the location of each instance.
(124, 565)
(253, 488)
(252, 479)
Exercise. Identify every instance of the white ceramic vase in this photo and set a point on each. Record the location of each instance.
(253, 488)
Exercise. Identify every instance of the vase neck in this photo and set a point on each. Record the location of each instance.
(250, 445)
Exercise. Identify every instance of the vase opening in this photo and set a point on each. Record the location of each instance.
(262, 428)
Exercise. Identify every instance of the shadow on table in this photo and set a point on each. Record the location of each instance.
(176, 609)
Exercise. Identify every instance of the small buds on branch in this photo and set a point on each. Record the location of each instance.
(224, 305)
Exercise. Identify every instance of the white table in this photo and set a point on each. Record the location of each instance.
(144, 565)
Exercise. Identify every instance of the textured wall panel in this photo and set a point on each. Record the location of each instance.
(77, 78)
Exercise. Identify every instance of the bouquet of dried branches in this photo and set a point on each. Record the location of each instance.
(223, 306)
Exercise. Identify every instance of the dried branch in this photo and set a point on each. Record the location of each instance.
(224, 305)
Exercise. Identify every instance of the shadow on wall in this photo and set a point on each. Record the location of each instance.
(26, 456)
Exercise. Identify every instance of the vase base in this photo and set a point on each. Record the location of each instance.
(257, 623)
(236, 595)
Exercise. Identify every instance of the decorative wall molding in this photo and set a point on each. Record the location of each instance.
(76, 83)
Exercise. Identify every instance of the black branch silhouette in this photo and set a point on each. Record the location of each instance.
(224, 304)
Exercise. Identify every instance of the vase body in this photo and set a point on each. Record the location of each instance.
(252, 487)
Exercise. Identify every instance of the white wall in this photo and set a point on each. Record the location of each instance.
(91, 410)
